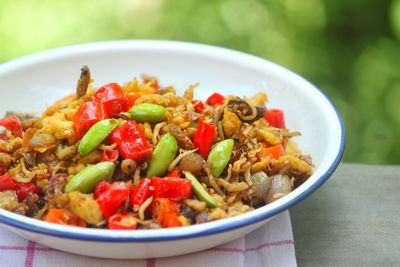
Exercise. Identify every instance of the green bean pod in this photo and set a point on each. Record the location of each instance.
(220, 155)
(87, 179)
(163, 155)
(200, 192)
(147, 112)
(96, 134)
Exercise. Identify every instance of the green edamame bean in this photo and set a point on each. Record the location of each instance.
(87, 179)
(220, 155)
(163, 155)
(200, 192)
(96, 134)
(147, 112)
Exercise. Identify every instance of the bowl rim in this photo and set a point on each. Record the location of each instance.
(219, 226)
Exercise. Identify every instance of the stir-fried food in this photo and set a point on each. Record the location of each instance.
(138, 156)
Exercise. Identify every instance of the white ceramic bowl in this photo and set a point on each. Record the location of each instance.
(31, 82)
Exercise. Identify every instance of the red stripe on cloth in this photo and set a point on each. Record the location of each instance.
(30, 254)
(13, 248)
(21, 248)
(44, 249)
(281, 243)
(151, 263)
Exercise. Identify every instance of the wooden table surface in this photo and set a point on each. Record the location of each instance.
(352, 220)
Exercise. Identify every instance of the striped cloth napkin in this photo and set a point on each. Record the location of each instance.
(271, 245)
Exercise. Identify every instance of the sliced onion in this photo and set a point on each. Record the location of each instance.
(262, 183)
(280, 187)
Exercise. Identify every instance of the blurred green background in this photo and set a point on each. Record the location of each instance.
(349, 49)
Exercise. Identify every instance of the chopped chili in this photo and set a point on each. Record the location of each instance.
(13, 124)
(175, 173)
(122, 221)
(23, 190)
(166, 212)
(111, 199)
(109, 155)
(204, 137)
(171, 187)
(7, 182)
(131, 142)
(140, 193)
(275, 118)
(198, 106)
(65, 217)
(112, 98)
(101, 188)
(215, 99)
(272, 152)
(88, 114)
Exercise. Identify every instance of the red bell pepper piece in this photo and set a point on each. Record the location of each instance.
(215, 100)
(140, 193)
(175, 173)
(166, 212)
(204, 137)
(171, 187)
(109, 155)
(65, 217)
(275, 118)
(111, 199)
(198, 106)
(87, 115)
(101, 188)
(131, 142)
(23, 189)
(272, 152)
(7, 182)
(13, 124)
(112, 98)
(122, 221)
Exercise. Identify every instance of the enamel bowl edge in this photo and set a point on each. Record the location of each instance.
(32, 82)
